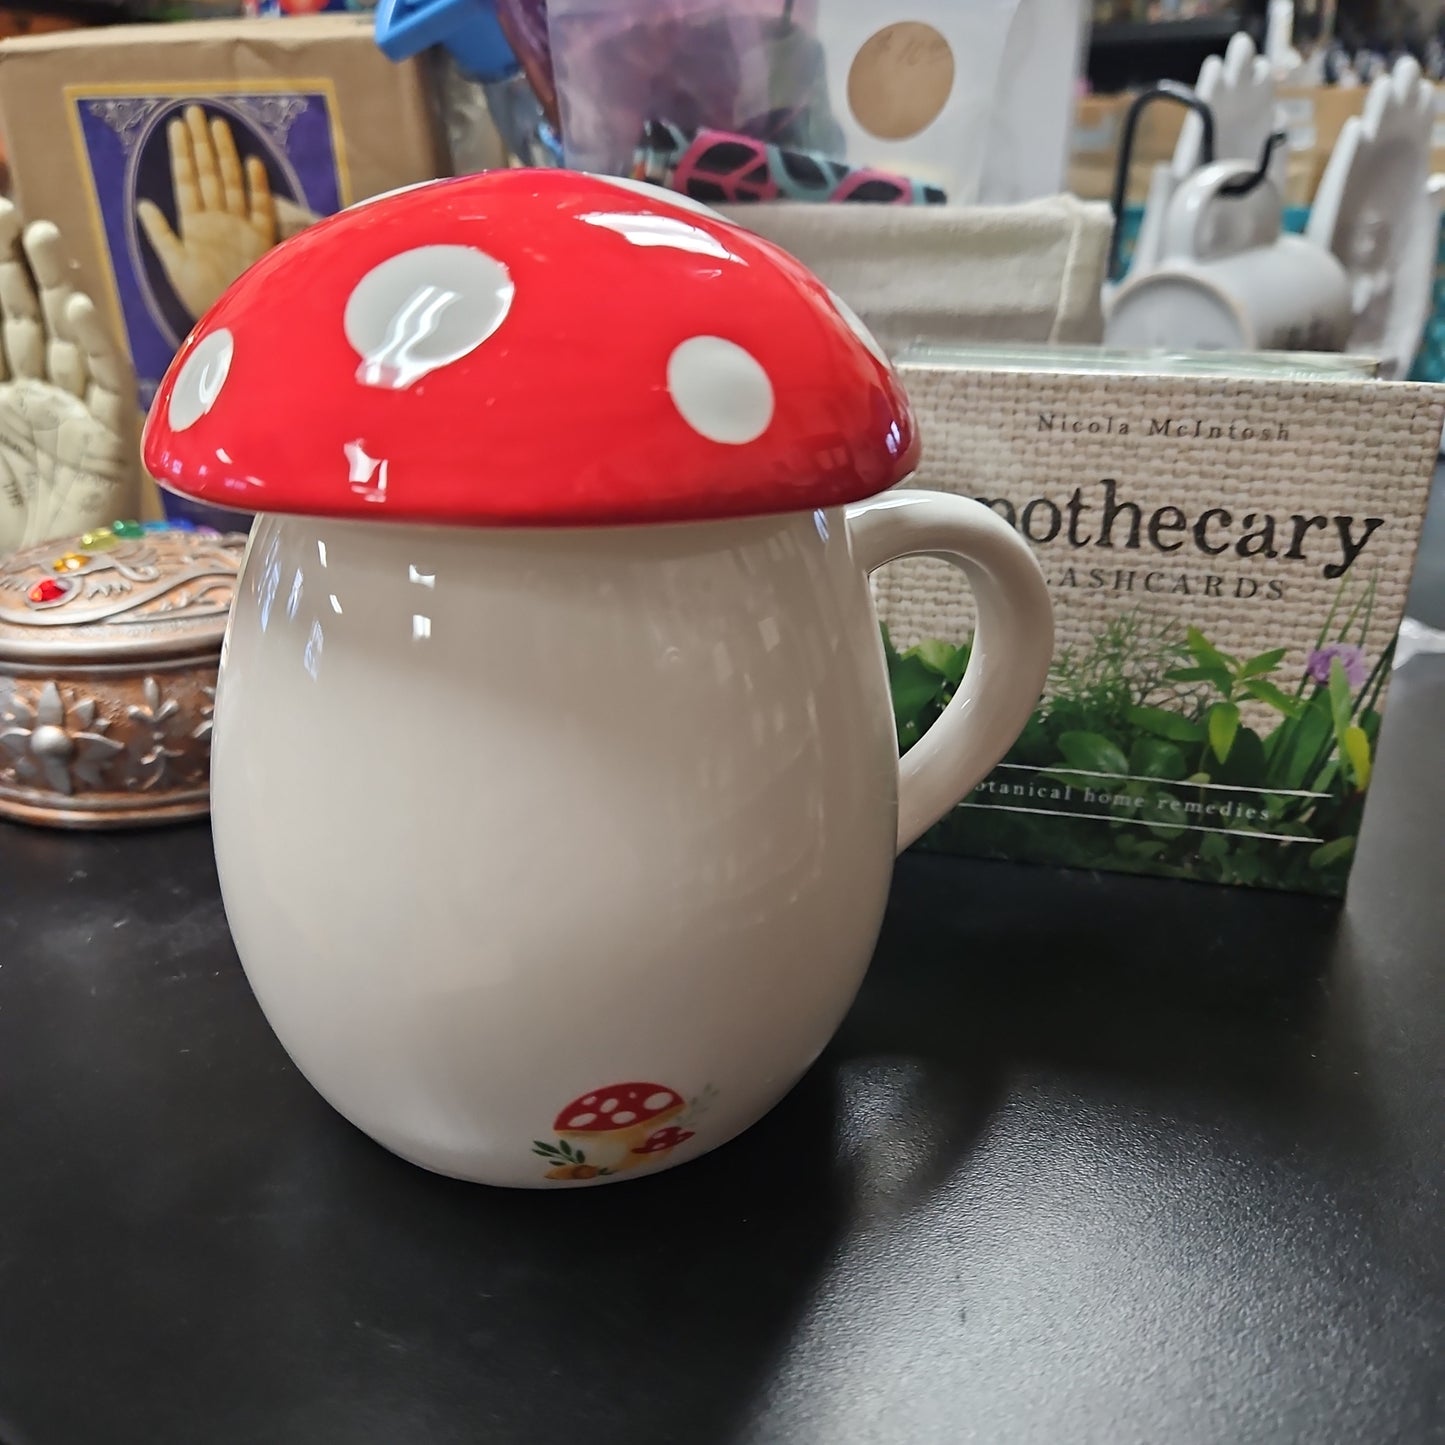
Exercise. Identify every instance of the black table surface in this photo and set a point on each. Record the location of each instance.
(1093, 1159)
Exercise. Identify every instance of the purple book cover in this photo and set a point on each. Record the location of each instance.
(129, 147)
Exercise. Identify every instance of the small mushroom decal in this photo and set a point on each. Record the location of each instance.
(607, 1131)
(624, 1115)
(664, 1140)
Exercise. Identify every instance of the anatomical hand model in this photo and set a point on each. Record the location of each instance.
(67, 399)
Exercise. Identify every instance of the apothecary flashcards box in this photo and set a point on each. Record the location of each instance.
(1228, 544)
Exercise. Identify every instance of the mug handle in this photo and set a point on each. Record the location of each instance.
(1013, 642)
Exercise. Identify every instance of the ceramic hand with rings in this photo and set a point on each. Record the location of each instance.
(553, 739)
(67, 401)
(1377, 212)
(1239, 92)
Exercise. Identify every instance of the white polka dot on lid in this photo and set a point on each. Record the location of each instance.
(720, 390)
(580, 1121)
(657, 1101)
(608, 1105)
(200, 379)
(423, 309)
(854, 323)
(623, 1116)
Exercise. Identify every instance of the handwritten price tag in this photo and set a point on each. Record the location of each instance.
(900, 80)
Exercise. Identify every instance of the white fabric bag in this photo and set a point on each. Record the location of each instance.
(945, 274)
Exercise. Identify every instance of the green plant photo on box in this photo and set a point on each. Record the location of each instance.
(1157, 752)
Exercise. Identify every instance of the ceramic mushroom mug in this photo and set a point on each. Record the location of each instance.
(555, 784)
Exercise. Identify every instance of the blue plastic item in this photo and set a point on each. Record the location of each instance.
(467, 28)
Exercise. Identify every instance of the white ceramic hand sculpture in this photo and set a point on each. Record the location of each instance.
(1374, 211)
(1240, 93)
(67, 403)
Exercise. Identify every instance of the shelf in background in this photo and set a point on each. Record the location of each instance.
(1126, 54)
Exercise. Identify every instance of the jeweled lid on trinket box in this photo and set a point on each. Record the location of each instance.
(133, 589)
(109, 647)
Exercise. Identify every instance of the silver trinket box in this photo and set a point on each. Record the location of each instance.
(109, 646)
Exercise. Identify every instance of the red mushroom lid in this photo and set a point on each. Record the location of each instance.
(529, 348)
(618, 1107)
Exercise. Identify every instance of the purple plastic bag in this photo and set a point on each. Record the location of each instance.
(524, 23)
(751, 66)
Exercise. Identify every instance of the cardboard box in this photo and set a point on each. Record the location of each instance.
(15, 22)
(119, 134)
(1094, 145)
(1228, 544)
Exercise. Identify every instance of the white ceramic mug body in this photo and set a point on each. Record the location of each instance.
(554, 856)
(508, 819)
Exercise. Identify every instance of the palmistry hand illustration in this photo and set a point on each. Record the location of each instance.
(67, 401)
(225, 213)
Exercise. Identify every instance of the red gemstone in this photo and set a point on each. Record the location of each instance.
(48, 590)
